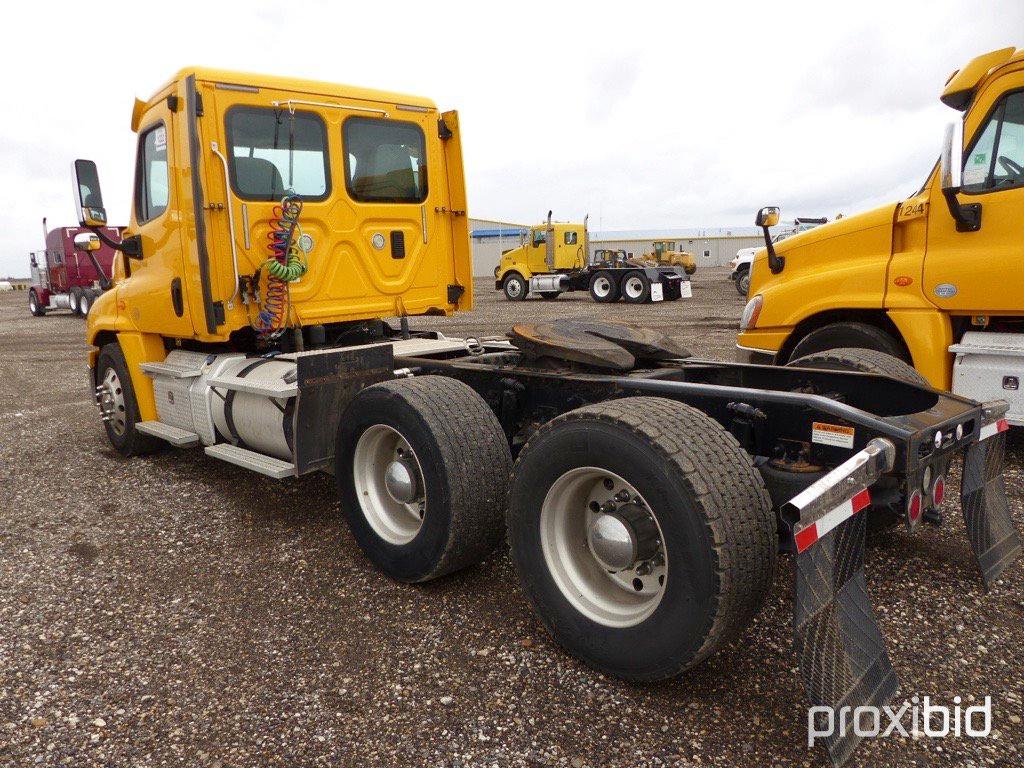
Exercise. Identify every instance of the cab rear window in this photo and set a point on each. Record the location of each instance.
(385, 161)
(274, 152)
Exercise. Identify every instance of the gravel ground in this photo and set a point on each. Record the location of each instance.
(174, 610)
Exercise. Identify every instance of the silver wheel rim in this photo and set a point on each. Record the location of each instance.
(84, 305)
(634, 287)
(602, 287)
(112, 403)
(514, 288)
(73, 302)
(394, 520)
(570, 512)
(33, 303)
(745, 282)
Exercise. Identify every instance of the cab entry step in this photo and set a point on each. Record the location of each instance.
(257, 462)
(180, 438)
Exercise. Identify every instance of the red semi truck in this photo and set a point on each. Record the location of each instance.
(74, 269)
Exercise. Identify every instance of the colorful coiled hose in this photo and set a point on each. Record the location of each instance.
(285, 265)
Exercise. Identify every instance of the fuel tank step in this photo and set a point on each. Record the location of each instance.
(257, 462)
(255, 387)
(181, 438)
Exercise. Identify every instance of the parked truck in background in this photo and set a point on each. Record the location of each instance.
(73, 270)
(651, 491)
(936, 280)
(554, 258)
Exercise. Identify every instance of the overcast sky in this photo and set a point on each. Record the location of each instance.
(645, 115)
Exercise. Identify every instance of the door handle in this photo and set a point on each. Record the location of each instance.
(177, 300)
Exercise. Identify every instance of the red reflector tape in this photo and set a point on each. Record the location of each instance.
(994, 428)
(834, 517)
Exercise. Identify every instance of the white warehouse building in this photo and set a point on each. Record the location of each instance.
(712, 247)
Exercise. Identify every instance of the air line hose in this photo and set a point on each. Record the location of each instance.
(285, 265)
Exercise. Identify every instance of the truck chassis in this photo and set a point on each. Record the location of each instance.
(775, 458)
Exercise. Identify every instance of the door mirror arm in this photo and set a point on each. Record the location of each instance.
(129, 246)
(769, 217)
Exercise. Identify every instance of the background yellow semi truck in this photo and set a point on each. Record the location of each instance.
(936, 280)
(554, 258)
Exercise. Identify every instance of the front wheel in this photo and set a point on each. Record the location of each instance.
(743, 282)
(636, 288)
(515, 287)
(642, 534)
(118, 404)
(34, 305)
(421, 466)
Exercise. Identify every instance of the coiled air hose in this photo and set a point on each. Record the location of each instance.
(285, 265)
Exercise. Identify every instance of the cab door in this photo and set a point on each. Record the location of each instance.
(155, 296)
(982, 272)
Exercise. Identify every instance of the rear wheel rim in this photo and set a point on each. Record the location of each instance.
(602, 287)
(573, 507)
(84, 305)
(634, 287)
(379, 449)
(112, 403)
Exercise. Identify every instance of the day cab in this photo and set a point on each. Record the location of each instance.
(936, 280)
(382, 228)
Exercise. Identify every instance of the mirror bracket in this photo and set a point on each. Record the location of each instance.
(967, 216)
(129, 246)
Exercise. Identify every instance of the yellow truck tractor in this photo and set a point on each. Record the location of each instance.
(667, 254)
(282, 233)
(936, 280)
(555, 258)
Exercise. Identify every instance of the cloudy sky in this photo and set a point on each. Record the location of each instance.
(645, 115)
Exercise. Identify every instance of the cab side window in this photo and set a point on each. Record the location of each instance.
(571, 238)
(539, 238)
(151, 179)
(996, 160)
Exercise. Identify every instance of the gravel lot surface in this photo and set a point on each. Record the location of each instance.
(174, 610)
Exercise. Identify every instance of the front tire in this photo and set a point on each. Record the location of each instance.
(743, 282)
(119, 404)
(636, 288)
(849, 335)
(422, 466)
(700, 535)
(515, 287)
(34, 305)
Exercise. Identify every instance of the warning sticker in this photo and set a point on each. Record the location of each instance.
(657, 292)
(832, 434)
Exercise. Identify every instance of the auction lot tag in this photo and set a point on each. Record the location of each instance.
(685, 290)
(832, 434)
(657, 292)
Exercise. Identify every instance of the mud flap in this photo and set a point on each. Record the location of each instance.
(994, 541)
(841, 653)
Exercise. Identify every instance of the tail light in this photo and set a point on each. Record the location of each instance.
(938, 491)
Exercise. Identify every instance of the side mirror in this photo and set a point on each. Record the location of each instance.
(88, 198)
(951, 166)
(951, 161)
(769, 217)
(86, 241)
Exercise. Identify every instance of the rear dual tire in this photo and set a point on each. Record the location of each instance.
(452, 461)
(713, 522)
(604, 288)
